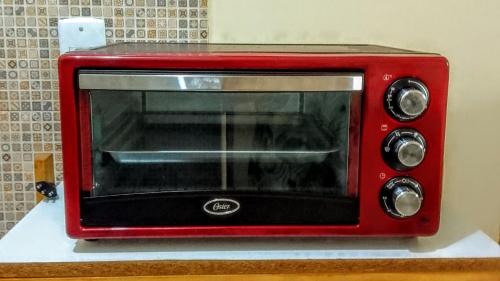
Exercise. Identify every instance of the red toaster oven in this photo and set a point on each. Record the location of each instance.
(188, 140)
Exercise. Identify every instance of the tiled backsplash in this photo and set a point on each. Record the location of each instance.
(29, 106)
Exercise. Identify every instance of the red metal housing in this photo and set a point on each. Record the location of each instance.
(380, 70)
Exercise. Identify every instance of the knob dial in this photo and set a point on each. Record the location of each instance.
(406, 99)
(404, 149)
(401, 197)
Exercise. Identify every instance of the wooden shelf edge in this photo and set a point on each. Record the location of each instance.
(250, 267)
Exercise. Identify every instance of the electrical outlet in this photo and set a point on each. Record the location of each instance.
(80, 33)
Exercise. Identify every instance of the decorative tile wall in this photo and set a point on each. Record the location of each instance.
(29, 48)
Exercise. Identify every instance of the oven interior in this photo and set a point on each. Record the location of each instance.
(178, 141)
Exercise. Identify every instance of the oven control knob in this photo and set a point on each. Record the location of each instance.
(404, 149)
(401, 197)
(407, 99)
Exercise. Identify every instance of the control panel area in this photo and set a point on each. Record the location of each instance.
(404, 148)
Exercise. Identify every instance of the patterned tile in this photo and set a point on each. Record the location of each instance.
(29, 48)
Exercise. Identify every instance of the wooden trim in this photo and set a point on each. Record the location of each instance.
(286, 267)
(44, 170)
(443, 276)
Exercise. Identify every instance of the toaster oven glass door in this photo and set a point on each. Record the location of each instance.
(287, 136)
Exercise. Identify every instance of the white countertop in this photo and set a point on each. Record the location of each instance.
(40, 237)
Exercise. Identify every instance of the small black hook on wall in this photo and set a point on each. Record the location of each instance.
(47, 189)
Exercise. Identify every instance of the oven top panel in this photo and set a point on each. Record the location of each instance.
(141, 48)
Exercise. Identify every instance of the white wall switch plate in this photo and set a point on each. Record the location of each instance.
(80, 33)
